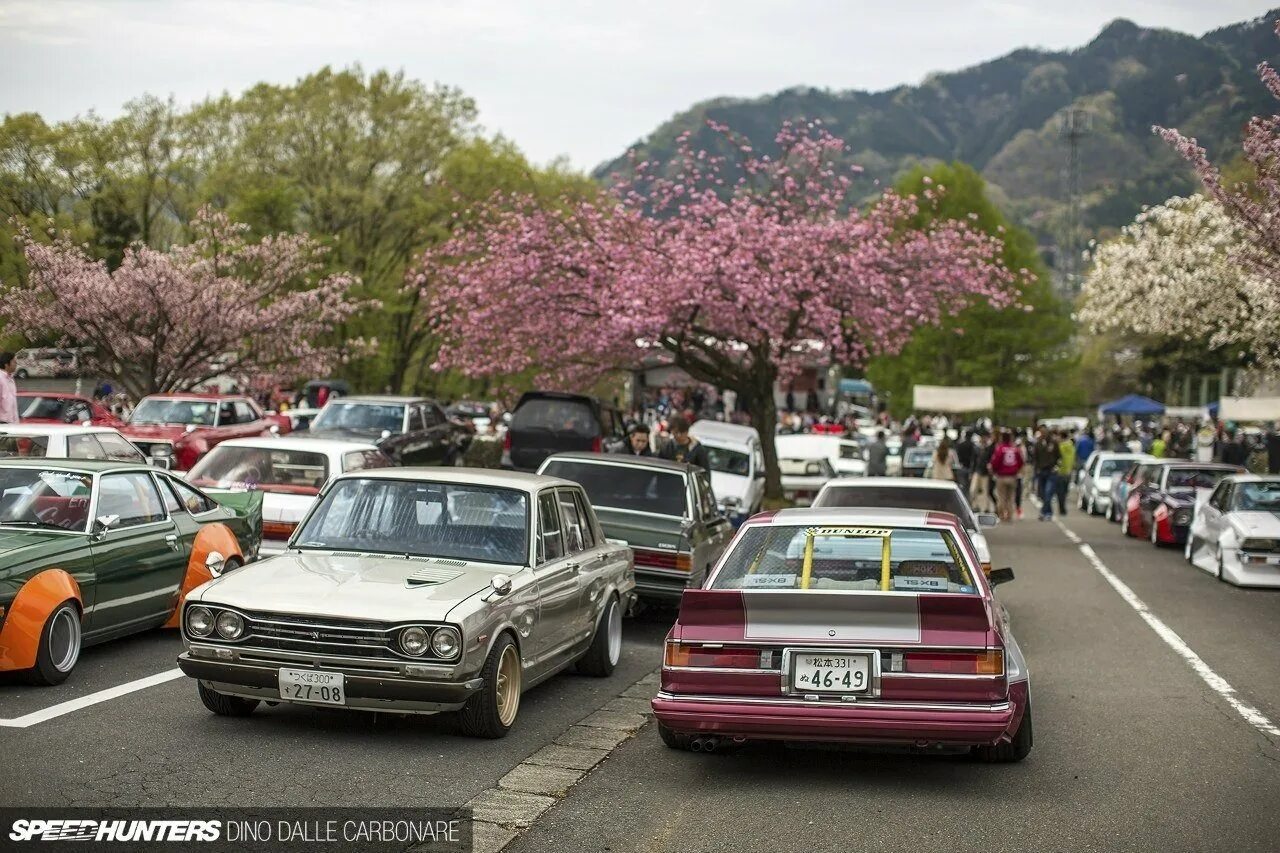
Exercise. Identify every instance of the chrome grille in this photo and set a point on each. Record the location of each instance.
(321, 636)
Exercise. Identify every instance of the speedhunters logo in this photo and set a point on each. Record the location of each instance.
(243, 830)
(115, 830)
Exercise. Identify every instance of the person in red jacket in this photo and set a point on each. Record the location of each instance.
(1007, 460)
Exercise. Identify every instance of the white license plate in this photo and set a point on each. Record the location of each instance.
(830, 672)
(312, 685)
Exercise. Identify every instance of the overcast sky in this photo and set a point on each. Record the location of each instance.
(560, 77)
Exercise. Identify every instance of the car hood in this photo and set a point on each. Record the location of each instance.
(350, 586)
(350, 432)
(729, 485)
(172, 432)
(641, 531)
(21, 548)
(1102, 484)
(1254, 523)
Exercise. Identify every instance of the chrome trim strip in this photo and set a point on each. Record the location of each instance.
(725, 669)
(999, 707)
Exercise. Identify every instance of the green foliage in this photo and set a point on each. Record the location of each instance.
(1023, 354)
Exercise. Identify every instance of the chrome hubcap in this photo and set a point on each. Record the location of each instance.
(508, 686)
(614, 627)
(64, 640)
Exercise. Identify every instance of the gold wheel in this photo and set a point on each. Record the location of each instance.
(508, 685)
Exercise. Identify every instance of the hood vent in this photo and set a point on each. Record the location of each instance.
(426, 576)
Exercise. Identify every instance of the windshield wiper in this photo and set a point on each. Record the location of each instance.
(26, 522)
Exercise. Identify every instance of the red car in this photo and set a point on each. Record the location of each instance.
(179, 429)
(1162, 499)
(866, 626)
(48, 407)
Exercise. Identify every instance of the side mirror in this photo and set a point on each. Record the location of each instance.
(988, 519)
(500, 585)
(190, 429)
(999, 576)
(386, 433)
(215, 563)
(103, 523)
(759, 474)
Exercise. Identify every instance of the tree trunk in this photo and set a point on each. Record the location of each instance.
(764, 417)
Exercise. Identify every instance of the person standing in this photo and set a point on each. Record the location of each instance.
(878, 456)
(1066, 469)
(1084, 447)
(966, 452)
(683, 447)
(8, 390)
(980, 481)
(1046, 456)
(637, 443)
(943, 465)
(1006, 466)
(1160, 444)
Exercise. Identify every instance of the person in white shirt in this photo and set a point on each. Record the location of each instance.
(8, 390)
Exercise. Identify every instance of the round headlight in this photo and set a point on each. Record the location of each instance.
(230, 625)
(413, 640)
(199, 621)
(445, 642)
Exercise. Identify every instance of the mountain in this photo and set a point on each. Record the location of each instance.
(1006, 117)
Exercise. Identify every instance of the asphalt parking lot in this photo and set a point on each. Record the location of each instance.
(1135, 750)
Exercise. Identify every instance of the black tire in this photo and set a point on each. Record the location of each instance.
(604, 653)
(59, 648)
(1013, 751)
(673, 739)
(224, 705)
(481, 716)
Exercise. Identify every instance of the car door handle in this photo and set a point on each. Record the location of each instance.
(573, 568)
(172, 539)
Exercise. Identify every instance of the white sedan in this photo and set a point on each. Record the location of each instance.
(69, 441)
(912, 493)
(1097, 475)
(288, 471)
(1235, 533)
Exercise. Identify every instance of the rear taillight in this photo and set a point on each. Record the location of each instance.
(681, 562)
(989, 662)
(597, 445)
(712, 657)
(278, 529)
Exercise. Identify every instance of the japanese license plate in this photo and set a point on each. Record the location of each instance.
(830, 672)
(311, 685)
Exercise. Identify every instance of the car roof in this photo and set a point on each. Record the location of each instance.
(859, 517)
(1252, 478)
(95, 466)
(286, 442)
(474, 476)
(623, 460)
(381, 399)
(905, 482)
(559, 395)
(707, 430)
(52, 429)
(1123, 454)
(195, 395)
(57, 395)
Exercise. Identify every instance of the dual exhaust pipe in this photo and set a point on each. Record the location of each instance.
(714, 743)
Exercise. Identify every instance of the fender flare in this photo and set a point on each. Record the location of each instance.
(24, 622)
(212, 537)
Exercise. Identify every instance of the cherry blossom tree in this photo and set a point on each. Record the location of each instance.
(168, 321)
(1253, 209)
(741, 269)
(1184, 269)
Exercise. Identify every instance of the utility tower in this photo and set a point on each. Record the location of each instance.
(1075, 124)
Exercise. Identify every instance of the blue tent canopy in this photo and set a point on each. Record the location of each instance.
(1132, 404)
(855, 386)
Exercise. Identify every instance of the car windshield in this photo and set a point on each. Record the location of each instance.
(1112, 467)
(31, 497)
(23, 446)
(917, 456)
(360, 416)
(1194, 478)
(551, 415)
(728, 461)
(805, 468)
(457, 521)
(773, 557)
(900, 497)
(625, 486)
(41, 408)
(160, 411)
(1264, 497)
(266, 468)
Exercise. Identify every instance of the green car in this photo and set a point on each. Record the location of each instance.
(664, 510)
(94, 550)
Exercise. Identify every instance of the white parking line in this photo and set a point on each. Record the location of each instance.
(63, 708)
(1216, 682)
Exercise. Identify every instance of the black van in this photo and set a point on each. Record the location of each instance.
(547, 422)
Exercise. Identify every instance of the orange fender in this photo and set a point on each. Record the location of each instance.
(212, 537)
(24, 622)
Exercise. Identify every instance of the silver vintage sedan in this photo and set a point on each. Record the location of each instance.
(417, 590)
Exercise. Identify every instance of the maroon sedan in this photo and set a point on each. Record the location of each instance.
(178, 429)
(847, 625)
(48, 407)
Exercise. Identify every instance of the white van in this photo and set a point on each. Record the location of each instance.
(737, 466)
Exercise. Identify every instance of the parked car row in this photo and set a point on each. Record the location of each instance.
(1226, 520)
